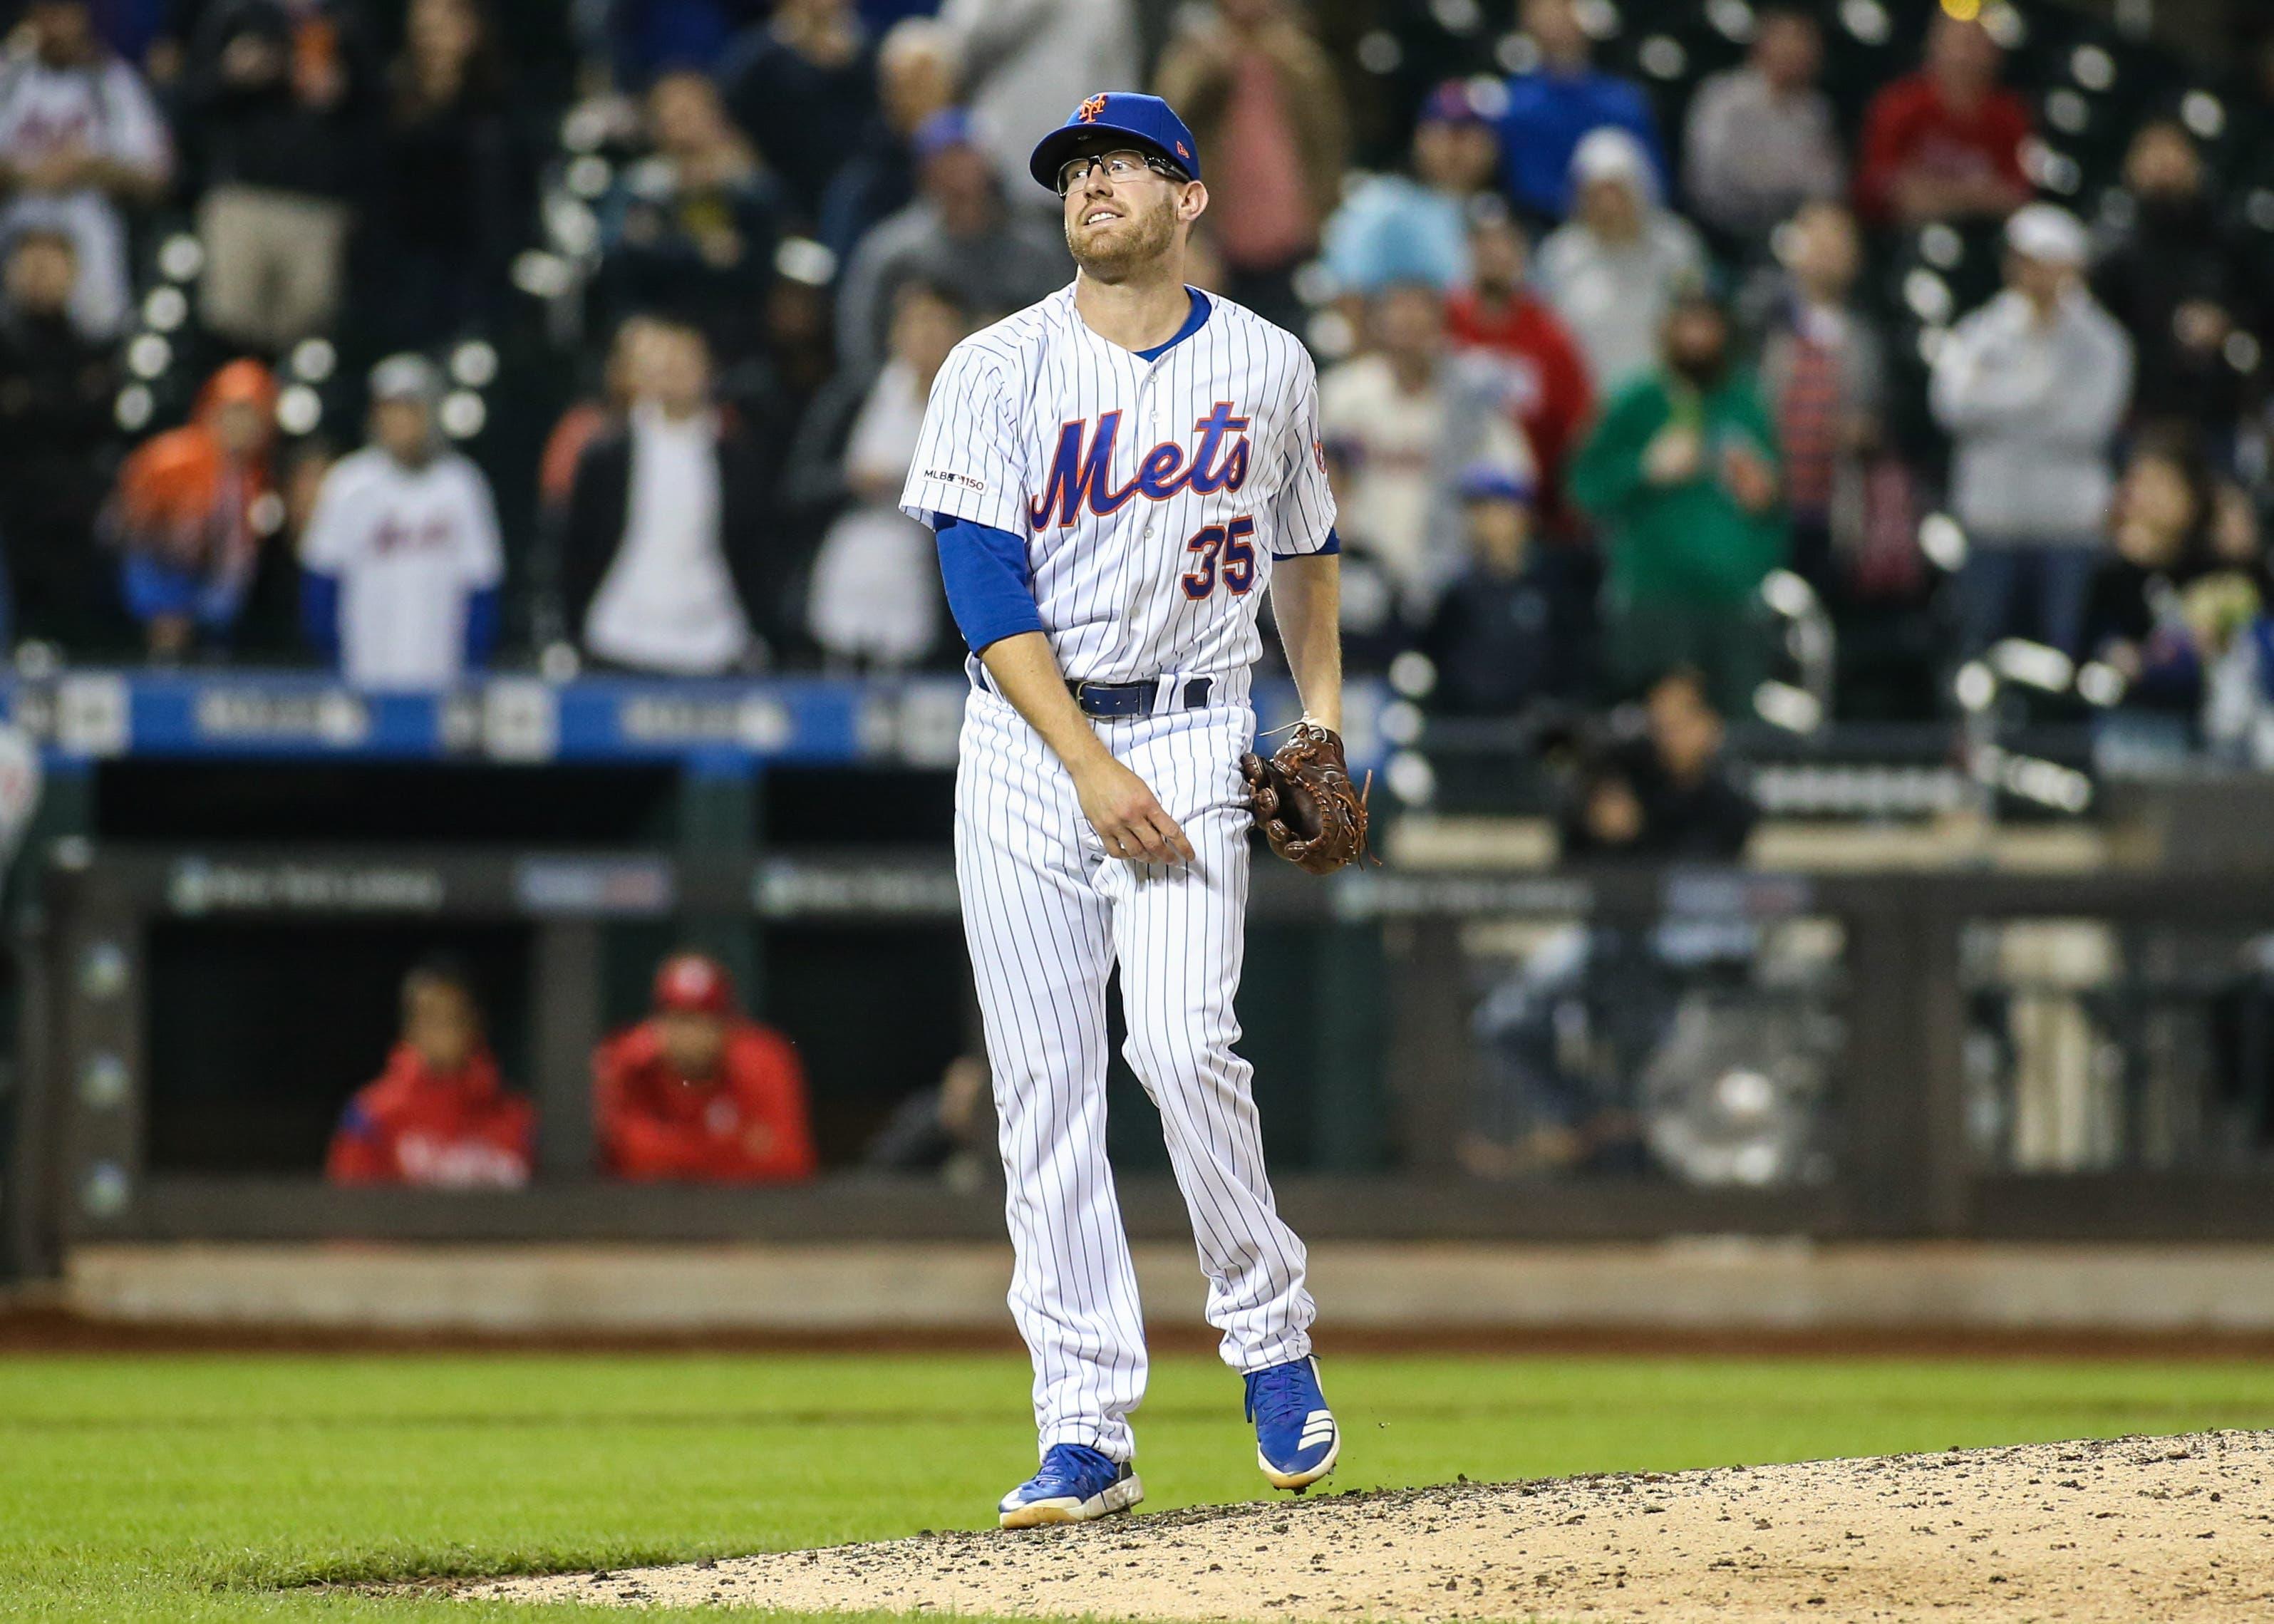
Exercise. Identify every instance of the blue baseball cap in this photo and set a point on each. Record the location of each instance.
(1110, 120)
(1489, 482)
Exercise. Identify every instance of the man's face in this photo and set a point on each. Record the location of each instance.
(1787, 50)
(1611, 207)
(41, 272)
(403, 429)
(1456, 154)
(683, 113)
(1961, 54)
(1554, 27)
(1113, 226)
(2042, 281)
(957, 178)
(1697, 341)
(2163, 163)
(675, 368)
(693, 1042)
(440, 1022)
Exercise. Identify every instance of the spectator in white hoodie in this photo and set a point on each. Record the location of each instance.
(1612, 272)
(2032, 387)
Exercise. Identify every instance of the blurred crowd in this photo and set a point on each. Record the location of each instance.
(1655, 336)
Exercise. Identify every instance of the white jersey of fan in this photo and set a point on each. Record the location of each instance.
(1153, 496)
(410, 546)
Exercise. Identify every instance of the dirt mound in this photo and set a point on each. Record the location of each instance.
(2170, 1528)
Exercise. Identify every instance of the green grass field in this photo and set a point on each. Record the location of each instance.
(211, 1488)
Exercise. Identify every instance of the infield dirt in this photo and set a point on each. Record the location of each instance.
(2174, 1529)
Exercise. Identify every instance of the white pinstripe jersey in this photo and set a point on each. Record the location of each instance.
(1152, 495)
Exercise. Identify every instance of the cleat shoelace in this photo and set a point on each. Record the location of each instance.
(1276, 1397)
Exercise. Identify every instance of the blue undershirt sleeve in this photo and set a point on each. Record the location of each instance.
(988, 588)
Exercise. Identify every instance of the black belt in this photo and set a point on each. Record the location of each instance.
(1127, 699)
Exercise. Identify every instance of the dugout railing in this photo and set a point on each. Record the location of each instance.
(1910, 1141)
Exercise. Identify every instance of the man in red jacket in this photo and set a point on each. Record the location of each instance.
(699, 1091)
(1945, 143)
(437, 1116)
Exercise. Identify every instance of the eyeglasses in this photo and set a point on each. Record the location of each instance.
(1119, 167)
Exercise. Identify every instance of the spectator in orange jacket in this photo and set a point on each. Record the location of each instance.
(698, 1091)
(438, 1114)
(193, 507)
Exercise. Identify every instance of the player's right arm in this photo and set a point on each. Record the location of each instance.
(1119, 804)
(968, 483)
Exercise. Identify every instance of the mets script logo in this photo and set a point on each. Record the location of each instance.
(1081, 473)
(1092, 110)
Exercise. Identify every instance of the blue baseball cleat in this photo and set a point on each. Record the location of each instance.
(1075, 1484)
(1296, 1439)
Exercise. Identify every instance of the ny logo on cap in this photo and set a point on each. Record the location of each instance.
(1091, 111)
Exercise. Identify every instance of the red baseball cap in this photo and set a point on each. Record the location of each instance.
(695, 984)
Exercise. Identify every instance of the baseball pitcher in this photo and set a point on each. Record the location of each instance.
(1116, 476)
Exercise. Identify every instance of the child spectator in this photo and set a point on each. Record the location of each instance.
(192, 509)
(438, 1116)
(81, 143)
(401, 562)
(1682, 477)
(1554, 398)
(698, 1092)
(1511, 632)
(1614, 270)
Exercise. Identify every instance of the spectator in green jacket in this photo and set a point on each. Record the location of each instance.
(1682, 476)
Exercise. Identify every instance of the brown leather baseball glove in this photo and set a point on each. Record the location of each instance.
(1305, 803)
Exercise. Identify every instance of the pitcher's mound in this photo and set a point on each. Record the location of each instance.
(2170, 1529)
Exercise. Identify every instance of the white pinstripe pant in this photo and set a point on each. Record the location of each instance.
(1047, 915)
